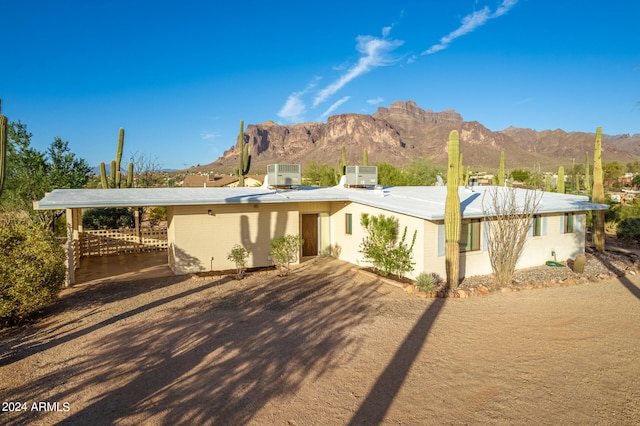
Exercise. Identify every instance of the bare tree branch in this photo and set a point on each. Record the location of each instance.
(510, 213)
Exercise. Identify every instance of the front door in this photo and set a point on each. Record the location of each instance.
(310, 234)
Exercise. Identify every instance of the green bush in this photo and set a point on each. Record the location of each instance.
(629, 229)
(107, 218)
(31, 268)
(239, 256)
(426, 282)
(381, 246)
(284, 251)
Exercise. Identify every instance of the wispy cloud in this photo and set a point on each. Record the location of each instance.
(470, 23)
(294, 108)
(375, 53)
(335, 106)
(209, 135)
(375, 101)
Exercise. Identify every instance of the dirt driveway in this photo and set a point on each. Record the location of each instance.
(325, 346)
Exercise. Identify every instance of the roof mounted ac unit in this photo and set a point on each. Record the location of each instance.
(361, 176)
(284, 175)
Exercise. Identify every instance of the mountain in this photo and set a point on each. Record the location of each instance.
(404, 132)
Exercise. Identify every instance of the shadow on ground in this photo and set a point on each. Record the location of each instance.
(202, 354)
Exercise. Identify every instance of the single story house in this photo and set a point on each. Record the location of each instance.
(203, 224)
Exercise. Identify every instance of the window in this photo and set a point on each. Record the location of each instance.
(568, 223)
(537, 225)
(470, 235)
(348, 223)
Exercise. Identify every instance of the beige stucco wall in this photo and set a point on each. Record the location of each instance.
(350, 244)
(200, 242)
(537, 250)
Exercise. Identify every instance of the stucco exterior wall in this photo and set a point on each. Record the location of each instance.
(350, 244)
(536, 252)
(199, 241)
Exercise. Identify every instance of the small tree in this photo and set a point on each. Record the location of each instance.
(284, 251)
(382, 248)
(239, 256)
(510, 219)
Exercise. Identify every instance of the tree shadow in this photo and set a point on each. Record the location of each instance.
(211, 354)
(374, 408)
(15, 349)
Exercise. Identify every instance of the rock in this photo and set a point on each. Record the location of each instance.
(482, 290)
(409, 289)
(506, 290)
(461, 293)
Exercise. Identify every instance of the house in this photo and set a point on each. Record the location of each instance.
(205, 223)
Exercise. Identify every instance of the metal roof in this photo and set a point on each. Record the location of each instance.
(425, 202)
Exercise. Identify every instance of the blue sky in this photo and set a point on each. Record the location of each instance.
(179, 76)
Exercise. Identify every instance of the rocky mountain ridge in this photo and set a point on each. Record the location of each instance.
(404, 131)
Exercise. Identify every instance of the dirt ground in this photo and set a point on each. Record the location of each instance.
(325, 346)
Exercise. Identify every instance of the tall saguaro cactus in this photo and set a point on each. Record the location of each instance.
(501, 171)
(587, 177)
(115, 177)
(3, 146)
(452, 216)
(598, 193)
(560, 184)
(244, 159)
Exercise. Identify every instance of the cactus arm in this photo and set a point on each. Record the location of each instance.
(103, 175)
(119, 157)
(112, 174)
(130, 175)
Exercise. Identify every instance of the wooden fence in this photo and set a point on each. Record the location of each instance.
(117, 241)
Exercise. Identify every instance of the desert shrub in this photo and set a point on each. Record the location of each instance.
(426, 282)
(107, 218)
(31, 268)
(381, 246)
(239, 256)
(629, 229)
(332, 250)
(284, 251)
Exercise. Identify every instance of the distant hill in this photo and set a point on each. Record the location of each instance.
(404, 132)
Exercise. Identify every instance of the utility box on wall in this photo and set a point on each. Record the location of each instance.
(361, 176)
(285, 175)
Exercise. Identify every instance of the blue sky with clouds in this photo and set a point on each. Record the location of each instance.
(179, 76)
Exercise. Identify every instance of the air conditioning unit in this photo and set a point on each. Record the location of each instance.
(286, 175)
(361, 176)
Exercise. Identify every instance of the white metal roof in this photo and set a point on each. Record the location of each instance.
(425, 202)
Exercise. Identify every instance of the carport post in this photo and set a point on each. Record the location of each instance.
(72, 235)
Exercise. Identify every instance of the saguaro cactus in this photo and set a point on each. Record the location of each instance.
(115, 177)
(560, 184)
(244, 159)
(365, 158)
(452, 217)
(587, 177)
(501, 171)
(547, 183)
(598, 193)
(3, 146)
